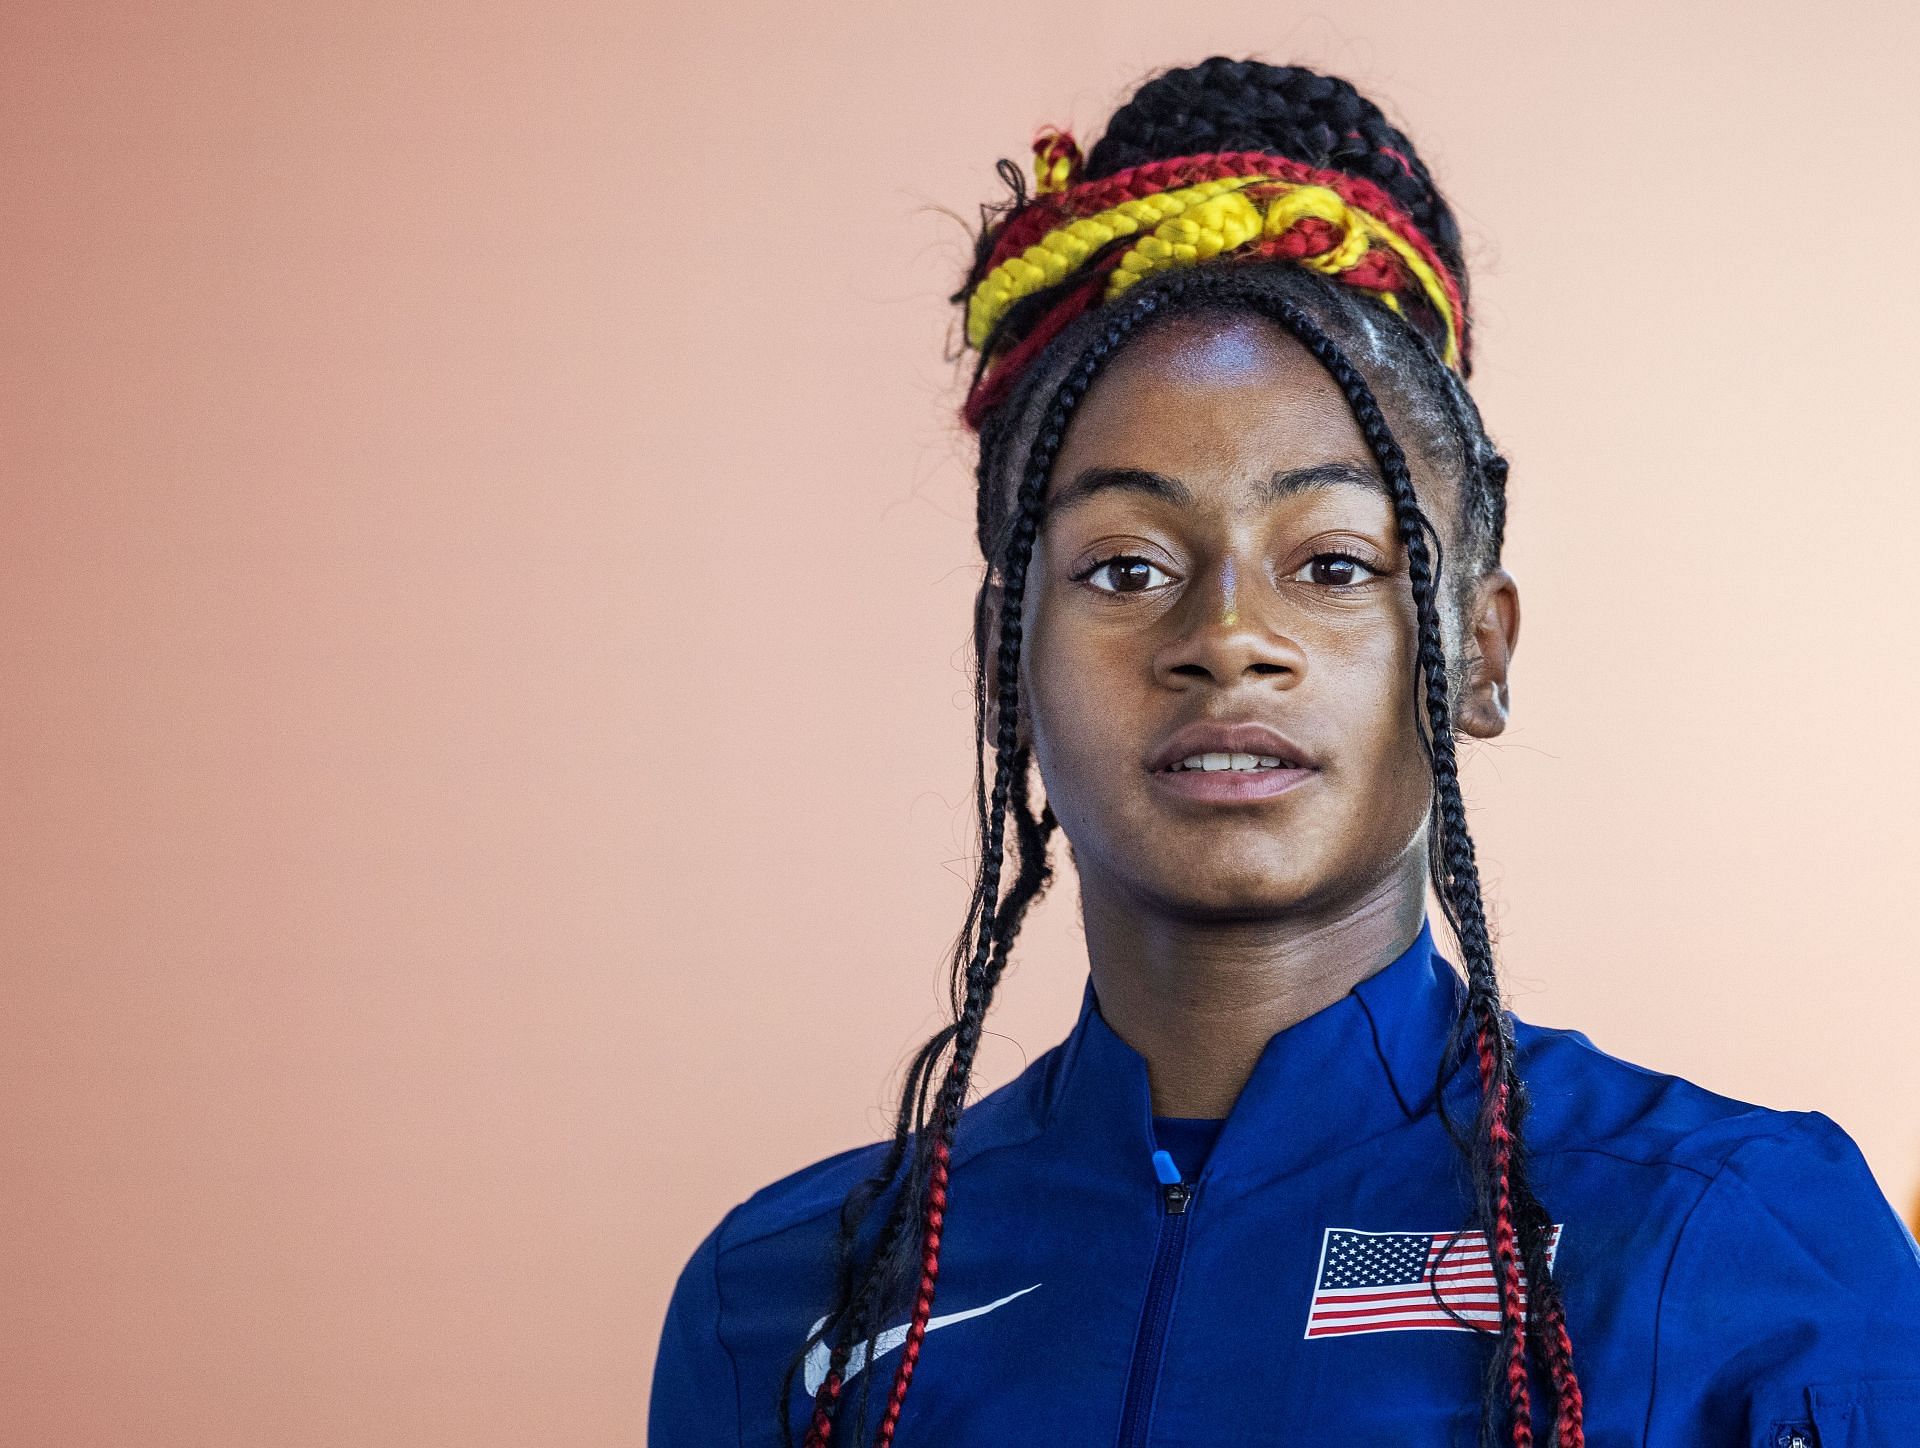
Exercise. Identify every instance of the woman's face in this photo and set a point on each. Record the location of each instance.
(1220, 554)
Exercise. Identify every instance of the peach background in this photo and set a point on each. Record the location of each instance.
(484, 609)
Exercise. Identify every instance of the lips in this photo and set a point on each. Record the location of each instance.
(1214, 736)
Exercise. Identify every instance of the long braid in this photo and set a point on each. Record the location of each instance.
(1483, 488)
(980, 973)
(856, 1306)
(1483, 464)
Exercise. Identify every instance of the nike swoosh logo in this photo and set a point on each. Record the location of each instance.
(887, 1341)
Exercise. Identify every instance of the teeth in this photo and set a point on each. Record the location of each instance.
(1218, 760)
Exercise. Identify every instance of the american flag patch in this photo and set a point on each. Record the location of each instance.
(1406, 1281)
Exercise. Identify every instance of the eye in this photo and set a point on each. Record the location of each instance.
(1125, 573)
(1335, 570)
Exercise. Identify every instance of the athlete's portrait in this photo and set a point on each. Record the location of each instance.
(959, 725)
(1306, 1167)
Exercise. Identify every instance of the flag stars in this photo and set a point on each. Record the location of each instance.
(1355, 1259)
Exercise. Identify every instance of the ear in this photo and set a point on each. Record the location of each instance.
(1493, 626)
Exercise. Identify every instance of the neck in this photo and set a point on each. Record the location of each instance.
(1200, 999)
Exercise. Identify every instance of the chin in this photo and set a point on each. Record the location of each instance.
(1244, 890)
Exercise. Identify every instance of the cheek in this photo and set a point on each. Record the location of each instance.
(1090, 717)
(1369, 683)
(1062, 682)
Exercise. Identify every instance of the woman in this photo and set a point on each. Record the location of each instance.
(1291, 1178)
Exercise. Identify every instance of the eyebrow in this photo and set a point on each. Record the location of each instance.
(1158, 485)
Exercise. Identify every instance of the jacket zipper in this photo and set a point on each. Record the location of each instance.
(1149, 1345)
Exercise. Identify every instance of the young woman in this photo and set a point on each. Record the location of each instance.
(1291, 1178)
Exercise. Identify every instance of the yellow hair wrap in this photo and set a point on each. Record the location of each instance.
(1191, 224)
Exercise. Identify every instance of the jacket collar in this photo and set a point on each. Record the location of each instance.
(1363, 1065)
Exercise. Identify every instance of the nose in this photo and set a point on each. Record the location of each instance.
(1226, 633)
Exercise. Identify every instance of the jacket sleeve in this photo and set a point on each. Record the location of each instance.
(1790, 1315)
(695, 1400)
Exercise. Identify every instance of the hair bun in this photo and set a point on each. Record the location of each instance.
(1223, 104)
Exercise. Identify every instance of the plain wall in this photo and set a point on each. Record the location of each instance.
(487, 559)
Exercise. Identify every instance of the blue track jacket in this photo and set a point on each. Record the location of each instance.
(1733, 1276)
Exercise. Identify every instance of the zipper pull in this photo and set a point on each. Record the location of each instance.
(1174, 1192)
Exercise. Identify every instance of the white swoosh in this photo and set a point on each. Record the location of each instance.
(892, 1338)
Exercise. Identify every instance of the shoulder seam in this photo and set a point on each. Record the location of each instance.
(1649, 1161)
(1709, 1174)
(1792, 1123)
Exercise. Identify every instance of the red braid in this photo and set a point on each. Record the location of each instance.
(1505, 1255)
(1573, 1431)
(923, 1304)
(820, 1430)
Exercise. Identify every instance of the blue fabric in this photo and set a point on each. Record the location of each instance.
(1733, 1276)
(1188, 1139)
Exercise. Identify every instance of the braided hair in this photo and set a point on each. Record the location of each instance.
(1391, 376)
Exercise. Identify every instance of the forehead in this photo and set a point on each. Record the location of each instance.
(1223, 402)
